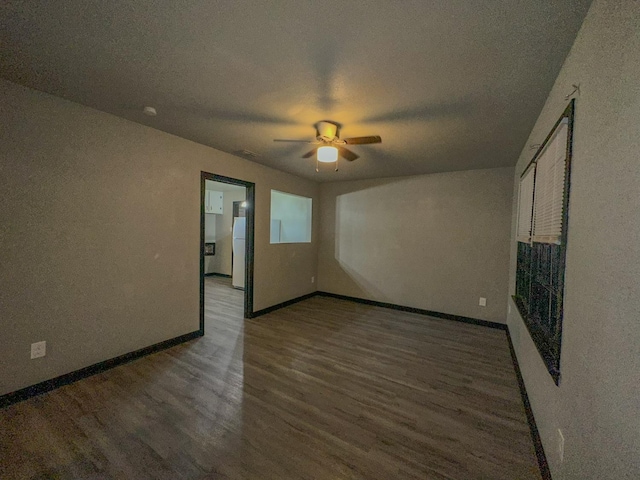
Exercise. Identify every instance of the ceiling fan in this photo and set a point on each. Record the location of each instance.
(331, 145)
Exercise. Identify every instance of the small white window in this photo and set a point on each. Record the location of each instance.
(290, 218)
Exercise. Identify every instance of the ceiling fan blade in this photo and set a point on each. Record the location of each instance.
(313, 142)
(310, 154)
(347, 154)
(362, 140)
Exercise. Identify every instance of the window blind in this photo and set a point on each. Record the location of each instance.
(525, 205)
(549, 188)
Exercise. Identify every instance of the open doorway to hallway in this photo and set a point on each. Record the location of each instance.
(226, 258)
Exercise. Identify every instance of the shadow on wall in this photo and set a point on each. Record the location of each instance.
(438, 242)
(348, 263)
(351, 253)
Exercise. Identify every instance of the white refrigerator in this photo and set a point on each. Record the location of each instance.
(237, 269)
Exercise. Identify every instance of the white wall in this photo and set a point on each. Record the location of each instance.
(437, 242)
(100, 235)
(597, 404)
(209, 228)
(209, 237)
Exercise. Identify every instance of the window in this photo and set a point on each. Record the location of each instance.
(290, 218)
(543, 201)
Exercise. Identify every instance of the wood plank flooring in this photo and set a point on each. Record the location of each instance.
(323, 389)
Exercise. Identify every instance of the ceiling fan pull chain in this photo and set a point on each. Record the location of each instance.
(336, 165)
(317, 165)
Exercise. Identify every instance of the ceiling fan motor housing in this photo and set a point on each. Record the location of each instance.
(326, 131)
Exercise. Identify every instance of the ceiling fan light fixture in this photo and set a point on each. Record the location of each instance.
(326, 131)
(327, 154)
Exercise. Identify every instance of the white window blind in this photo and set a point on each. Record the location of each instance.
(549, 188)
(525, 205)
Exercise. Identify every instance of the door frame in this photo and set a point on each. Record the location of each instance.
(249, 244)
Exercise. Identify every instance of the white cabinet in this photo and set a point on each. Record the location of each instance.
(213, 202)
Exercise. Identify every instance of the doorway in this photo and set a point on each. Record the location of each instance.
(222, 230)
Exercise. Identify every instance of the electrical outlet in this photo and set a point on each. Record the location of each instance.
(560, 446)
(38, 349)
(483, 302)
(313, 279)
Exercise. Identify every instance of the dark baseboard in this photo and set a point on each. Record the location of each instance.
(282, 305)
(430, 313)
(533, 428)
(48, 385)
(393, 306)
(223, 275)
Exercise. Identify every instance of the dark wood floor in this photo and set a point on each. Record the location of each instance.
(324, 389)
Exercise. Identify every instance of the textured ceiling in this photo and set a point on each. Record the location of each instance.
(449, 85)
